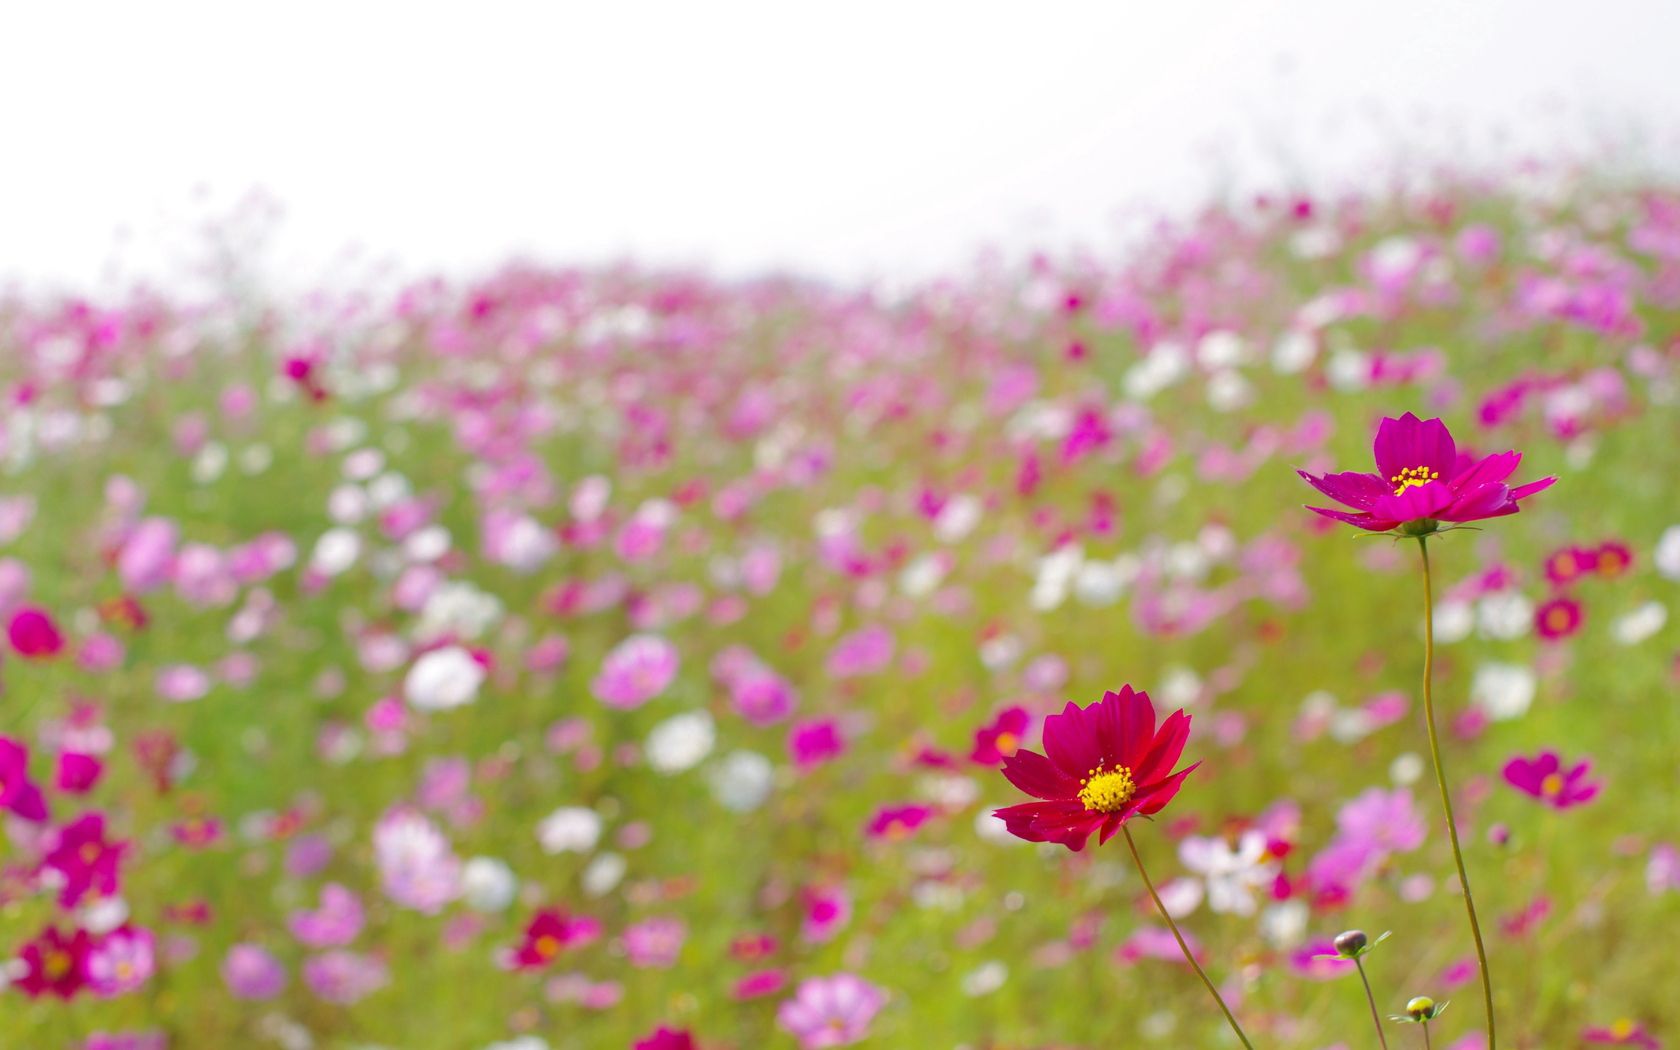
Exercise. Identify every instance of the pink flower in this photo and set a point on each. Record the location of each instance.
(344, 977)
(654, 942)
(250, 972)
(84, 859)
(34, 635)
(77, 773)
(663, 1038)
(1624, 1032)
(1558, 618)
(54, 964)
(831, 1011)
(867, 650)
(812, 743)
(549, 933)
(18, 793)
(1422, 480)
(897, 822)
(638, 669)
(336, 922)
(121, 961)
(1001, 737)
(827, 910)
(1543, 777)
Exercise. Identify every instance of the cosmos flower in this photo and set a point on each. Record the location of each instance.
(663, 1038)
(1558, 618)
(897, 822)
(84, 859)
(251, 972)
(1001, 737)
(120, 961)
(1543, 777)
(1104, 764)
(18, 793)
(831, 1011)
(33, 634)
(1624, 1032)
(54, 964)
(550, 932)
(1422, 479)
(637, 670)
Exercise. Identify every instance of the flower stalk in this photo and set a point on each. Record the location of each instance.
(1179, 937)
(1446, 796)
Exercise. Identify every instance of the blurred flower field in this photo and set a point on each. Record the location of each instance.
(614, 658)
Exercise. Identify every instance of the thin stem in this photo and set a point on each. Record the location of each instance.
(1441, 782)
(1425, 1027)
(1371, 999)
(1185, 948)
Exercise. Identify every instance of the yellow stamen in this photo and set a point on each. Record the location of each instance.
(1412, 476)
(1622, 1028)
(1006, 744)
(547, 947)
(1107, 790)
(1552, 785)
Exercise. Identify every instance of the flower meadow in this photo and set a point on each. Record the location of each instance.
(1035, 657)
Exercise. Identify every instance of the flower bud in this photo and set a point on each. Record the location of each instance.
(1350, 943)
(1422, 1008)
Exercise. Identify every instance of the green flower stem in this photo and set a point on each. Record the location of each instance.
(1446, 796)
(1372, 1000)
(1185, 948)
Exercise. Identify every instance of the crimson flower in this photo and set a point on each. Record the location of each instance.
(55, 964)
(664, 1038)
(1103, 764)
(85, 859)
(1000, 738)
(1544, 778)
(1422, 479)
(549, 933)
(18, 793)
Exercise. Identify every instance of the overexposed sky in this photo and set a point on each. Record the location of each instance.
(853, 140)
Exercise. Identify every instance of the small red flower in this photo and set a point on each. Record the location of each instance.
(1624, 1032)
(1001, 737)
(55, 964)
(666, 1039)
(1422, 480)
(34, 635)
(1103, 765)
(1544, 778)
(1558, 618)
(1613, 558)
(549, 933)
(1568, 564)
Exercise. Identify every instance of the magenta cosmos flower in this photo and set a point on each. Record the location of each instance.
(1421, 480)
(831, 1011)
(1103, 765)
(1544, 777)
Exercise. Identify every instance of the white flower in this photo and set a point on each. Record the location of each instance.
(922, 575)
(1453, 621)
(741, 782)
(1640, 624)
(524, 1042)
(985, 980)
(1505, 616)
(680, 742)
(1098, 583)
(1284, 924)
(570, 829)
(1502, 691)
(1232, 873)
(957, 518)
(604, 874)
(460, 609)
(1293, 352)
(336, 551)
(1667, 555)
(1182, 897)
(443, 679)
(487, 884)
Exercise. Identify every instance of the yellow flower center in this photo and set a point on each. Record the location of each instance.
(1413, 476)
(1557, 618)
(1552, 785)
(547, 947)
(1107, 790)
(55, 964)
(1622, 1028)
(1006, 744)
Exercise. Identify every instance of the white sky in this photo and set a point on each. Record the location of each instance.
(854, 140)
